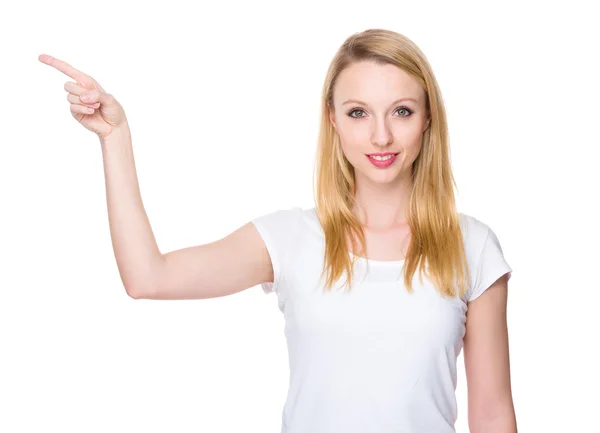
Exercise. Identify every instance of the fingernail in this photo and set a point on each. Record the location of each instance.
(85, 97)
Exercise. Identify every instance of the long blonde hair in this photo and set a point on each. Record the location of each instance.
(436, 246)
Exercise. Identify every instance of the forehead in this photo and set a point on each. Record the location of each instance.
(372, 82)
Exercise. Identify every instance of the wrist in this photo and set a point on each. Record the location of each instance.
(118, 133)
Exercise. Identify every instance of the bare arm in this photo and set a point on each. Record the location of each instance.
(133, 242)
(226, 266)
(487, 367)
(223, 267)
(135, 248)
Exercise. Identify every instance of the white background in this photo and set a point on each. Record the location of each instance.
(223, 103)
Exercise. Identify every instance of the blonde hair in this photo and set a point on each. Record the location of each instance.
(436, 246)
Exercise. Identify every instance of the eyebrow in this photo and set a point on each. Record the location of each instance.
(393, 103)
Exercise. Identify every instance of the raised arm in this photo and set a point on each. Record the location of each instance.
(223, 267)
(231, 264)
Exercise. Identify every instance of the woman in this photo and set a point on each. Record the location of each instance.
(382, 283)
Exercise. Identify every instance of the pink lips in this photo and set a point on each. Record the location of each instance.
(382, 164)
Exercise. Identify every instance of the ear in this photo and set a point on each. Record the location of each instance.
(332, 119)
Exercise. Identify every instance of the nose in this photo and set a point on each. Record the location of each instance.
(381, 135)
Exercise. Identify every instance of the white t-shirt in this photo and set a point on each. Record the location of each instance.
(375, 359)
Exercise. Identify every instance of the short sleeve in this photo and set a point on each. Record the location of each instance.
(277, 230)
(490, 266)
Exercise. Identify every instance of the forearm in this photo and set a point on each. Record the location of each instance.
(135, 248)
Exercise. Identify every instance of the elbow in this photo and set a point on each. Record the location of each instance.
(139, 293)
(144, 284)
(500, 423)
(133, 293)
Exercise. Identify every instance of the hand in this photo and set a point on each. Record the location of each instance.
(100, 112)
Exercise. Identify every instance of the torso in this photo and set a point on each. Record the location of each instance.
(376, 358)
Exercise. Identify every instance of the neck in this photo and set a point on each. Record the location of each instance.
(384, 206)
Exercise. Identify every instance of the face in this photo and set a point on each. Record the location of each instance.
(369, 117)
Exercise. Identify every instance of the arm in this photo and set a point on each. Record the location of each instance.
(487, 367)
(231, 264)
(133, 241)
(220, 268)
(134, 245)
(223, 267)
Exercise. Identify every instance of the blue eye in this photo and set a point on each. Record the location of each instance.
(359, 110)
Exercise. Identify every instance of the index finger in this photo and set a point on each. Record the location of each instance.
(65, 68)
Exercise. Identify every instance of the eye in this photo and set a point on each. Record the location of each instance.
(408, 112)
(359, 110)
(356, 110)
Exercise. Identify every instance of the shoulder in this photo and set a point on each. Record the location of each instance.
(474, 230)
(280, 223)
(472, 224)
(484, 254)
(475, 233)
(280, 216)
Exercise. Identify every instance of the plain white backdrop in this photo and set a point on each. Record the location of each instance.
(223, 104)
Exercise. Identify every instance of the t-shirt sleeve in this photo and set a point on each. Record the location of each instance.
(490, 266)
(277, 230)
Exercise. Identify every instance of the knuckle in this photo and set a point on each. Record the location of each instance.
(74, 99)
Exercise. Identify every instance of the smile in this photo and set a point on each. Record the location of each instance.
(382, 161)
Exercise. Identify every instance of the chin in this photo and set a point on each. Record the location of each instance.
(383, 178)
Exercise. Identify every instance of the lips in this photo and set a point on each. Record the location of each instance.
(384, 163)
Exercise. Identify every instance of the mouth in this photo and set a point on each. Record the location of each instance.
(382, 161)
(382, 156)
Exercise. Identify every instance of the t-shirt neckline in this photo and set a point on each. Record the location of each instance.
(380, 262)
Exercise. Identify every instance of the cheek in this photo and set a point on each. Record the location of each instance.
(354, 137)
(352, 142)
(350, 151)
(414, 142)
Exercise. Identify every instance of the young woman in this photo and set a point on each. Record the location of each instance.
(382, 283)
